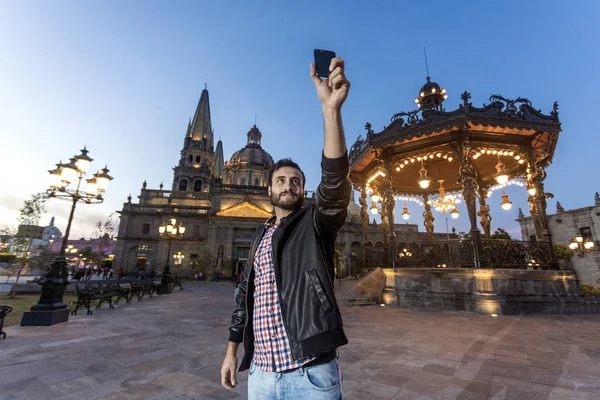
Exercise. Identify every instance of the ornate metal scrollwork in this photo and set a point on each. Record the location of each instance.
(510, 106)
(356, 148)
(465, 97)
(412, 117)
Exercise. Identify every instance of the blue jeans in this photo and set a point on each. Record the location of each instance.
(321, 382)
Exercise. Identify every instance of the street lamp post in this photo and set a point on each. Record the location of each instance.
(50, 308)
(169, 231)
(579, 243)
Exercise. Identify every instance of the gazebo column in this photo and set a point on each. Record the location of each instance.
(428, 218)
(364, 219)
(390, 205)
(485, 218)
(384, 223)
(539, 202)
(468, 177)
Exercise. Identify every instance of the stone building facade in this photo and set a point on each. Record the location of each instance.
(221, 203)
(564, 226)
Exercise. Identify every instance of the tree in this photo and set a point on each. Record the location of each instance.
(29, 214)
(500, 234)
(108, 227)
(563, 252)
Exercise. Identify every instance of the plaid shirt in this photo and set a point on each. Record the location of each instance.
(271, 345)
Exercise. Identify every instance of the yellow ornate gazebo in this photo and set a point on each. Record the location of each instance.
(439, 158)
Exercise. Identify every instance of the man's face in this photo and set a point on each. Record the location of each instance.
(287, 189)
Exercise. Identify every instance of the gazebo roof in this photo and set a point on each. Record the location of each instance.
(505, 128)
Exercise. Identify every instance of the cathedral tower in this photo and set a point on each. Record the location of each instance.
(196, 164)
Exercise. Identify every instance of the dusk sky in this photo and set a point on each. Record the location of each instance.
(124, 77)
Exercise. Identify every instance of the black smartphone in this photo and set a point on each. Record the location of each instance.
(322, 60)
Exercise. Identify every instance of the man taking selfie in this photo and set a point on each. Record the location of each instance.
(286, 314)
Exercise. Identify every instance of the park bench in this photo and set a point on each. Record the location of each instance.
(105, 293)
(5, 309)
(85, 295)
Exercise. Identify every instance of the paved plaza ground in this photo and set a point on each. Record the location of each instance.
(171, 347)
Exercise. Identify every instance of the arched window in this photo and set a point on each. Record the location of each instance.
(256, 181)
(183, 185)
(197, 159)
(190, 158)
(243, 181)
(197, 185)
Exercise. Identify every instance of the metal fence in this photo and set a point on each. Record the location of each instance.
(495, 253)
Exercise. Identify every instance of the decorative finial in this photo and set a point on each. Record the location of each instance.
(160, 186)
(597, 199)
(144, 185)
(129, 199)
(465, 97)
(520, 214)
(559, 207)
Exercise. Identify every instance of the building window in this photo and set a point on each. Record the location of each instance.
(190, 158)
(145, 229)
(183, 185)
(256, 182)
(586, 232)
(243, 181)
(197, 230)
(198, 186)
(197, 159)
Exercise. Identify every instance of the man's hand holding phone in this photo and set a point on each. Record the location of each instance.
(333, 90)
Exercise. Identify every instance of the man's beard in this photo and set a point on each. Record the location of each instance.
(292, 203)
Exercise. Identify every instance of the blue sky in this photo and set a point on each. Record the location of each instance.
(123, 78)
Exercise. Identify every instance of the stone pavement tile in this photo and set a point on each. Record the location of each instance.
(175, 380)
(549, 377)
(223, 393)
(198, 389)
(405, 394)
(477, 387)
(502, 392)
(61, 376)
(439, 369)
(382, 356)
(560, 394)
(93, 393)
(589, 396)
(144, 391)
(453, 392)
(548, 362)
(375, 390)
(427, 383)
(499, 382)
(511, 360)
(583, 370)
(390, 379)
(72, 385)
(116, 376)
(515, 371)
(19, 389)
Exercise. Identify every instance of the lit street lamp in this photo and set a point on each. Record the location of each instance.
(579, 243)
(50, 309)
(171, 230)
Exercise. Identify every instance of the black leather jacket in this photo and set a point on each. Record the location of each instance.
(303, 247)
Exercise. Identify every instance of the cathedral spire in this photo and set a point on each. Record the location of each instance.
(217, 171)
(201, 127)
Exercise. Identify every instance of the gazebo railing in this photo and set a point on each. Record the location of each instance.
(495, 253)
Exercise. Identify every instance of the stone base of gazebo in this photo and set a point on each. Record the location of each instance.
(488, 291)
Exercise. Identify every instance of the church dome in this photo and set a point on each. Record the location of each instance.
(250, 164)
(252, 153)
(51, 232)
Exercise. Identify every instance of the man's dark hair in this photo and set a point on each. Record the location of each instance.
(284, 162)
